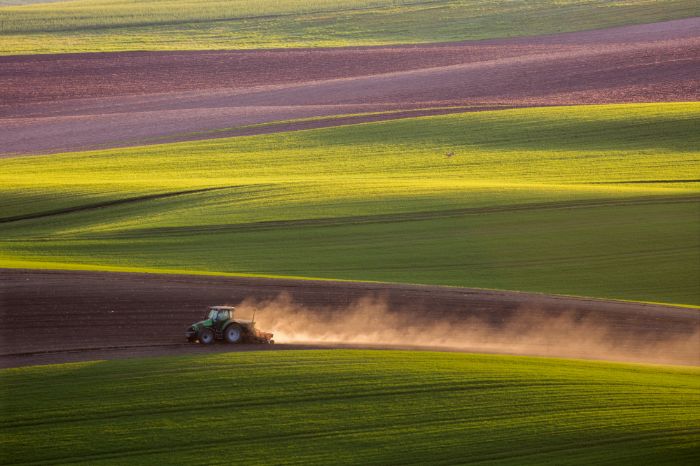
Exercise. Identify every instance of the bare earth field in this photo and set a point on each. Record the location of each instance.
(85, 101)
(59, 316)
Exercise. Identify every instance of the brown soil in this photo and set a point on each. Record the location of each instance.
(58, 316)
(81, 101)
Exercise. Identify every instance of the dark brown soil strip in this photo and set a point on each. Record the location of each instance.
(58, 316)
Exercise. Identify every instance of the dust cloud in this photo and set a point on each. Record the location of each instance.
(370, 322)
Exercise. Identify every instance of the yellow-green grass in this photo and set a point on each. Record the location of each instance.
(350, 407)
(26, 2)
(597, 201)
(114, 25)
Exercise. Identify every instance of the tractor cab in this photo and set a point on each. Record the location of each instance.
(220, 314)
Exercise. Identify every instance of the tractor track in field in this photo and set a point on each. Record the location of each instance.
(66, 316)
(102, 100)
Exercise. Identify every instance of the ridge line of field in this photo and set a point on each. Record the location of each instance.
(405, 217)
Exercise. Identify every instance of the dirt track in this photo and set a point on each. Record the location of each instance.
(106, 100)
(56, 316)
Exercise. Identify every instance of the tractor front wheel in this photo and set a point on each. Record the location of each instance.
(233, 333)
(206, 336)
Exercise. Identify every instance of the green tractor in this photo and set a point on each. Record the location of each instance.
(220, 324)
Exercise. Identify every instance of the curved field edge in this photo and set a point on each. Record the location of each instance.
(122, 25)
(593, 201)
(57, 266)
(350, 406)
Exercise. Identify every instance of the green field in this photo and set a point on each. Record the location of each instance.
(350, 407)
(112, 25)
(597, 201)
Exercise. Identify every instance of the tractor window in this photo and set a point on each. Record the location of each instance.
(212, 314)
(223, 315)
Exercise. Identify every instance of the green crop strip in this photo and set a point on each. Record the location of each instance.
(598, 201)
(116, 25)
(350, 407)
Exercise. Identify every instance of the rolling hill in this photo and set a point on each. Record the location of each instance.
(589, 200)
(350, 407)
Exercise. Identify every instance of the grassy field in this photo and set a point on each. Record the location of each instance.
(350, 407)
(597, 201)
(112, 25)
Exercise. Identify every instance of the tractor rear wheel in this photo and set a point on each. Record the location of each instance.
(206, 336)
(233, 333)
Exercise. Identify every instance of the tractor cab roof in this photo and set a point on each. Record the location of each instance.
(222, 308)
